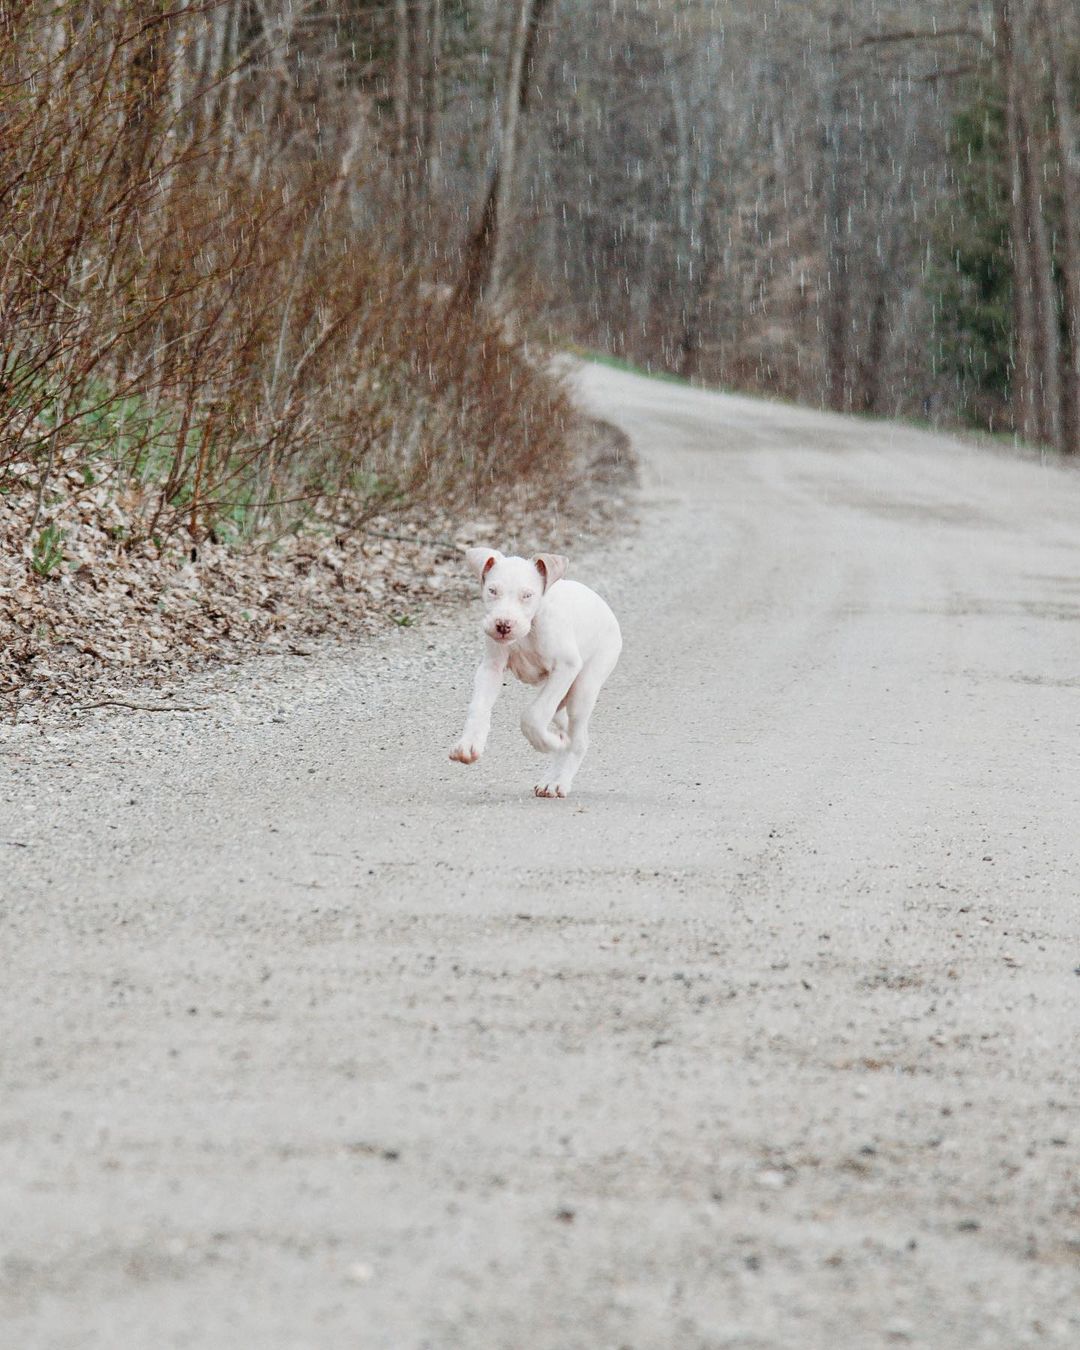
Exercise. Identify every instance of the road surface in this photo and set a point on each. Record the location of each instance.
(766, 1038)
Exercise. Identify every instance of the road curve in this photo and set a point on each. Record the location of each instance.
(766, 1037)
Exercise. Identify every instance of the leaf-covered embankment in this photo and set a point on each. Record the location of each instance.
(223, 385)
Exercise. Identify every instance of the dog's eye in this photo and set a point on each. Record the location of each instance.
(492, 591)
(526, 595)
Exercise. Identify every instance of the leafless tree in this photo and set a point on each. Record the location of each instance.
(483, 274)
(1054, 26)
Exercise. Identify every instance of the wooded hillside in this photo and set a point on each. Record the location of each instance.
(871, 207)
(267, 261)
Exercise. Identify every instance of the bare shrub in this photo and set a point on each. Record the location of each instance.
(189, 311)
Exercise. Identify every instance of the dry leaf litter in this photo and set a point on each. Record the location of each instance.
(112, 623)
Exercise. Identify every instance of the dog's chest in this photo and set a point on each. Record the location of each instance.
(527, 666)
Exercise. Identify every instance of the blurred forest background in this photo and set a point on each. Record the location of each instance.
(267, 258)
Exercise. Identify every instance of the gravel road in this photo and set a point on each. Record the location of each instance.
(769, 1036)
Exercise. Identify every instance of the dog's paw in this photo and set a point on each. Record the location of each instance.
(540, 736)
(466, 752)
(550, 790)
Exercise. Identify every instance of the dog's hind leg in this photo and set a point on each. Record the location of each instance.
(538, 722)
(579, 706)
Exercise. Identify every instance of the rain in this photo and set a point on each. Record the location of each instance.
(539, 596)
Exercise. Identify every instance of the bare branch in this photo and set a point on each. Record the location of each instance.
(909, 35)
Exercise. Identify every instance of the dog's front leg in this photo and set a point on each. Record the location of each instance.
(486, 686)
(537, 718)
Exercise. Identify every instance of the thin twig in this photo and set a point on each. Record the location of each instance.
(908, 35)
(145, 707)
(412, 539)
(952, 73)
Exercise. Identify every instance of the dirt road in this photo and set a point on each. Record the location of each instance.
(767, 1037)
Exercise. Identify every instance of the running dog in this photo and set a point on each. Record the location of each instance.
(553, 633)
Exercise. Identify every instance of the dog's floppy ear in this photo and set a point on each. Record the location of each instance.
(482, 560)
(551, 566)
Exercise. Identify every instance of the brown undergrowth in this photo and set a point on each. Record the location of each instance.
(225, 400)
(110, 619)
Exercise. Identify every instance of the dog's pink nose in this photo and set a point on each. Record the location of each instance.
(503, 627)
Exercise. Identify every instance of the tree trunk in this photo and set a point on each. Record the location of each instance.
(476, 263)
(432, 159)
(484, 269)
(403, 122)
(231, 75)
(1065, 137)
(1047, 324)
(145, 85)
(1024, 393)
(689, 280)
(837, 205)
(873, 366)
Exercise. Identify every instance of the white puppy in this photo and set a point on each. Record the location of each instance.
(550, 632)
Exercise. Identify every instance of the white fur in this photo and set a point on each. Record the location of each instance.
(550, 632)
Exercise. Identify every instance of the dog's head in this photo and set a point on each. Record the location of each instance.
(513, 588)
